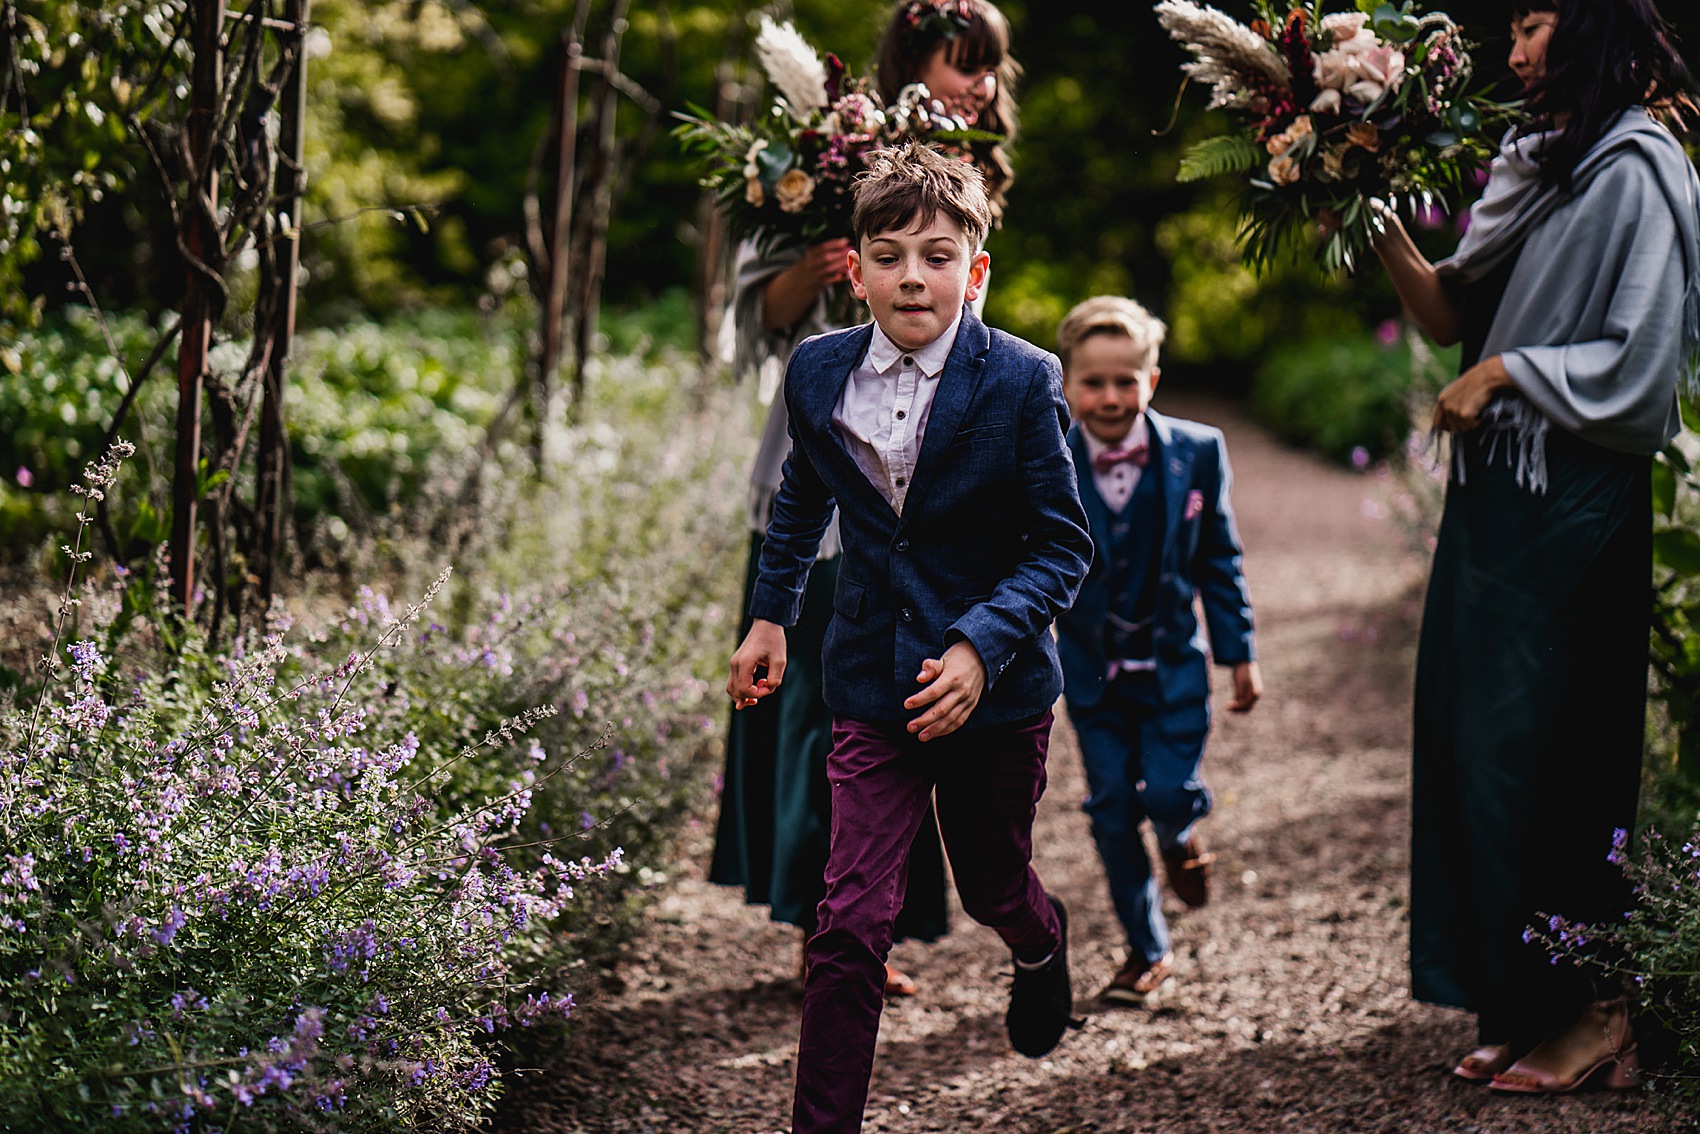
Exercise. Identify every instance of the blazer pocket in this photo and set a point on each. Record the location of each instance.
(847, 598)
(976, 434)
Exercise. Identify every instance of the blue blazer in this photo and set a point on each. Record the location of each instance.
(991, 546)
(1200, 554)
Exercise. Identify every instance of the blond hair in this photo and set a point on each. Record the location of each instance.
(1112, 315)
(906, 186)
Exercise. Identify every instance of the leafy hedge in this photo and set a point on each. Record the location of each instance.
(1350, 397)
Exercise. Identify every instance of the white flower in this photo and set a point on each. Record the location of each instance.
(1344, 25)
(793, 67)
(1328, 102)
(751, 169)
(1229, 55)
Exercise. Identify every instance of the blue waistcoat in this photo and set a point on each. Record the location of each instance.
(1136, 539)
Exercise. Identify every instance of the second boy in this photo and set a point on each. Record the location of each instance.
(1134, 661)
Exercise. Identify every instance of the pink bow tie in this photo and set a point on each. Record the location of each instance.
(1135, 455)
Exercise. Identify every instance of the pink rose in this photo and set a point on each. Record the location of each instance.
(1283, 170)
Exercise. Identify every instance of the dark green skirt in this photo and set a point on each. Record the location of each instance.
(775, 807)
(1530, 707)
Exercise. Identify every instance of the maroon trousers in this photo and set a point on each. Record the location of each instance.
(987, 783)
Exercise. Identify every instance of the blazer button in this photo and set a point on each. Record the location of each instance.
(908, 615)
(901, 545)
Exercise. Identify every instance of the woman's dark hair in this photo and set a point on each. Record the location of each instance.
(1604, 57)
(983, 42)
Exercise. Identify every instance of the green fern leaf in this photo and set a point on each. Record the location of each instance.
(1214, 157)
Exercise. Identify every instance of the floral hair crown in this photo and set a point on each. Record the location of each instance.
(937, 19)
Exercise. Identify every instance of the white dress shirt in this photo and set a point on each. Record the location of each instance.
(882, 415)
(1116, 484)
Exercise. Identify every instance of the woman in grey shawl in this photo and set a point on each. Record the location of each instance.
(775, 808)
(1576, 295)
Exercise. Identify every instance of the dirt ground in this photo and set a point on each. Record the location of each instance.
(1290, 1012)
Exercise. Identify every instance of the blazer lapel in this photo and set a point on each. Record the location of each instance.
(957, 386)
(1097, 512)
(1177, 475)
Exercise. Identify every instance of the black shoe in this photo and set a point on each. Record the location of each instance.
(1041, 1004)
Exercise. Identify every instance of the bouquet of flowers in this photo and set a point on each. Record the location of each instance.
(1334, 110)
(789, 173)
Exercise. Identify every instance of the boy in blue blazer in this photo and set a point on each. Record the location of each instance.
(941, 443)
(1133, 655)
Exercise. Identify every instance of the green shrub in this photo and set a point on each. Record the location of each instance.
(1349, 397)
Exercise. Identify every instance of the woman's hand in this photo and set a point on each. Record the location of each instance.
(1460, 406)
(790, 294)
(1414, 278)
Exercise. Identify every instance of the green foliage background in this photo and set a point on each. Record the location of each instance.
(442, 104)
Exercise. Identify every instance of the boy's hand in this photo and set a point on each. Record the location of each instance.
(953, 687)
(764, 645)
(1248, 687)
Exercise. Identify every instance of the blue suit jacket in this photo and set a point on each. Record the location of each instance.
(1200, 553)
(991, 546)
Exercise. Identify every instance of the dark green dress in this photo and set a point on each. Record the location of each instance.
(775, 807)
(1530, 705)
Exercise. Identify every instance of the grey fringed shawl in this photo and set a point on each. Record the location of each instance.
(1601, 315)
(763, 353)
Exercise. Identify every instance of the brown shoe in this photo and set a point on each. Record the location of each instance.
(1139, 980)
(1189, 872)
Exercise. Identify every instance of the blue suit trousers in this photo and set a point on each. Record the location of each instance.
(1142, 761)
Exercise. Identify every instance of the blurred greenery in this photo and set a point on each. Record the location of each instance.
(1350, 397)
(442, 103)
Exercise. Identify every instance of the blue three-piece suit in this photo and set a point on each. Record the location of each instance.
(1134, 656)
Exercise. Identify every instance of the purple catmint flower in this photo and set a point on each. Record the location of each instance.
(168, 928)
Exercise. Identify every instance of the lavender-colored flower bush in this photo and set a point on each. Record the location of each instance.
(250, 902)
(1656, 952)
(299, 881)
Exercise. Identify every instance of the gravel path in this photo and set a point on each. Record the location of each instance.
(1290, 1010)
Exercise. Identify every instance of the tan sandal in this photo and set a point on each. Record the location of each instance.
(1484, 1063)
(899, 983)
(1562, 1063)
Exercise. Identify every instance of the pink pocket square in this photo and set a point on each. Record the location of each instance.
(1194, 505)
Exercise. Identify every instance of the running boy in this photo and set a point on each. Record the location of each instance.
(941, 442)
(1134, 663)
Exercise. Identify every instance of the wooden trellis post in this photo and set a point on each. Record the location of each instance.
(207, 79)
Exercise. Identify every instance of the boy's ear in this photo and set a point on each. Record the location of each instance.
(855, 259)
(1155, 375)
(978, 267)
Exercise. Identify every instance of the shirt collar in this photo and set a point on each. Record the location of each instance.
(883, 354)
(1140, 434)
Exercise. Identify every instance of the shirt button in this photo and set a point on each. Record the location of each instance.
(902, 545)
(901, 414)
(908, 361)
(908, 615)
(901, 481)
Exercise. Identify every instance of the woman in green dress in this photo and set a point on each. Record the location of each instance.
(1576, 295)
(775, 810)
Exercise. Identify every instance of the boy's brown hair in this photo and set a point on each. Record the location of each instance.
(905, 187)
(1112, 315)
